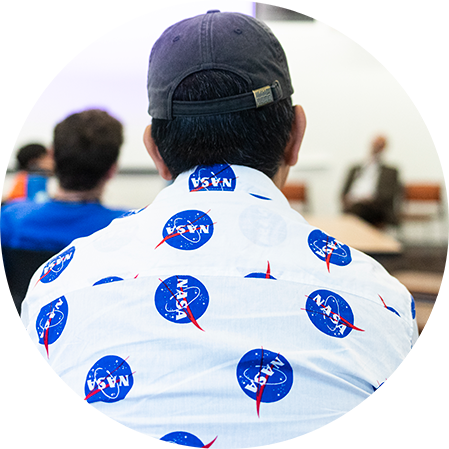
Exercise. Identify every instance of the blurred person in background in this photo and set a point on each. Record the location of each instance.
(34, 165)
(372, 189)
(86, 147)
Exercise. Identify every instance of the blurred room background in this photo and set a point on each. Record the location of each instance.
(348, 98)
(359, 68)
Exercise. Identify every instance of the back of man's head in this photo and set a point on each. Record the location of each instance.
(220, 92)
(86, 146)
(29, 154)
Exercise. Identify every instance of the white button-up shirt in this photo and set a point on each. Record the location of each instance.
(218, 317)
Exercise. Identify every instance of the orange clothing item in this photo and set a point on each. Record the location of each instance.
(19, 189)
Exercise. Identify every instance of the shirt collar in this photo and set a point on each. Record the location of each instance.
(247, 180)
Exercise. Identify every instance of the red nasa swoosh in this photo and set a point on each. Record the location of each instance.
(174, 235)
(197, 189)
(268, 275)
(40, 279)
(182, 226)
(388, 308)
(210, 177)
(339, 316)
(186, 308)
(328, 257)
(262, 387)
(47, 273)
(383, 301)
(211, 443)
(46, 333)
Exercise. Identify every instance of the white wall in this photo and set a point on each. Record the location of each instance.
(61, 56)
(348, 98)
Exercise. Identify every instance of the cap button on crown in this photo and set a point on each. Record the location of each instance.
(211, 11)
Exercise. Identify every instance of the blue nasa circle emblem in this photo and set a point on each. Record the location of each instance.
(260, 197)
(188, 230)
(181, 299)
(264, 376)
(330, 313)
(183, 439)
(328, 249)
(55, 267)
(260, 276)
(219, 177)
(109, 380)
(108, 280)
(413, 307)
(393, 310)
(51, 321)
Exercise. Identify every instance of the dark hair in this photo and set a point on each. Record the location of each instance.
(86, 146)
(29, 154)
(254, 138)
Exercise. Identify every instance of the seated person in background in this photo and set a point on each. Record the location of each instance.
(217, 316)
(372, 189)
(86, 147)
(35, 166)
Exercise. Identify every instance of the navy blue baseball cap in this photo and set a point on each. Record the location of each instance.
(217, 41)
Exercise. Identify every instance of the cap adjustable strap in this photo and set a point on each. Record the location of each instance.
(250, 100)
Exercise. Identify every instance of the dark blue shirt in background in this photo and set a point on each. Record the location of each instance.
(53, 225)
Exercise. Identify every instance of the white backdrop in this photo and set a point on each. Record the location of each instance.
(61, 56)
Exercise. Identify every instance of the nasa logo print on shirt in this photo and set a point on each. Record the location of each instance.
(329, 249)
(263, 226)
(185, 439)
(264, 376)
(181, 299)
(51, 321)
(55, 267)
(413, 307)
(330, 313)
(188, 230)
(260, 197)
(109, 380)
(391, 309)
(108, 280)
(266, 275)
(219, 177)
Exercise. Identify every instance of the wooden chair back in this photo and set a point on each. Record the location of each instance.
(295, 191)
(422, 192)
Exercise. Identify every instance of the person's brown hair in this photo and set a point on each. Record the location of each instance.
(86, 145)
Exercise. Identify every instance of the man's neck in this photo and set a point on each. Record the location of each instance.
(280, 178)
(75, 196)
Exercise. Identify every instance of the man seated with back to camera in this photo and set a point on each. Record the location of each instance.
(35, 166)
(217, 316)
(86, 147)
